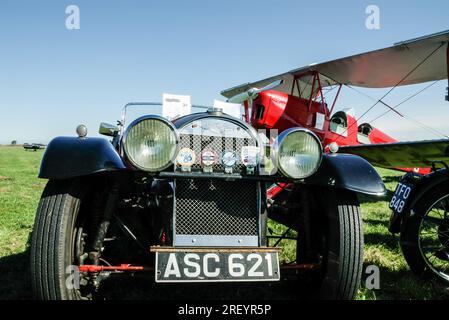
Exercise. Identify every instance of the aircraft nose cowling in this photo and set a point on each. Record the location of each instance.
(274, 109)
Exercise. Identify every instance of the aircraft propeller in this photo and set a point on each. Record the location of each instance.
(252, 93)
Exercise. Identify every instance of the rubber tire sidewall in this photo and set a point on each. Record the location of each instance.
(341, 222)
(52, 240)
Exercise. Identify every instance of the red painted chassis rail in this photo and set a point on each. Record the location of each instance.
(122, 267)
(127, 267)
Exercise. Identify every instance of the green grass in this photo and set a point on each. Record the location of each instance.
(19, 195)
(20, 190)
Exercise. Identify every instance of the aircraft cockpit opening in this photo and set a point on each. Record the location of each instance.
(339, 123)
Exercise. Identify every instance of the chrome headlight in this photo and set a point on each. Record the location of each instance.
(298, 153)
(151, 143)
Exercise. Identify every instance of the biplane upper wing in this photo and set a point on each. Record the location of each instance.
(414, 154)
(375, 69)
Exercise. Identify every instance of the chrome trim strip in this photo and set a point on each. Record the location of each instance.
(215, 241)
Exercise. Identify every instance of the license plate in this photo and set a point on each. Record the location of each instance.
(399, 199)
(206, 265)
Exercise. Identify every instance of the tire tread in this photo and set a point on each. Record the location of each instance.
(56, 206)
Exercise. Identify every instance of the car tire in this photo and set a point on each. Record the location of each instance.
(410, 234)
(51, 253)
(337, 238)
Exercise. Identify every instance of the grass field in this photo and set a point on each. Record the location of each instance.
(20, 191)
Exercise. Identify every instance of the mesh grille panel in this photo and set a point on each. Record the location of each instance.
(219, 144)
(216, 207)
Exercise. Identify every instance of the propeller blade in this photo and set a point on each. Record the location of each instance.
(253, 92)
(239, 98)
(268, 87)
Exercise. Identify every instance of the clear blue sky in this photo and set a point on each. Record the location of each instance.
(52, 79)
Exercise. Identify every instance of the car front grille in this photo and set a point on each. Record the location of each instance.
(216, 208)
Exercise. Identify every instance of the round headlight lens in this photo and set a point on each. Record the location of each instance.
(151, 144)
(299, 153)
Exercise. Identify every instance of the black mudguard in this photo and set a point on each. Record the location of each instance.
(421, 185)
(425, 184)
(349, 172)
(69, 157)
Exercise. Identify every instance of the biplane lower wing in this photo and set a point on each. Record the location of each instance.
(413, 154)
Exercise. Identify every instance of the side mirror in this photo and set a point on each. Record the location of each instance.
(107, 129)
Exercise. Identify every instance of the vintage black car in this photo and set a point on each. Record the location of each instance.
(189, 201)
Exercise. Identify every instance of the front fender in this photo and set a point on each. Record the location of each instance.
(69, 157)
(350, 172)
(425, 184)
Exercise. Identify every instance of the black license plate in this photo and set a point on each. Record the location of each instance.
(399, 199)
(216, 265)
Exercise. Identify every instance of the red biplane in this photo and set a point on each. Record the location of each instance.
(420, 203)
(297, 98)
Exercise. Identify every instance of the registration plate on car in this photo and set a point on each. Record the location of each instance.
(399, 199)
(214, 265)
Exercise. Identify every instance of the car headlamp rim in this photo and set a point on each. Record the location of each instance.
(278, 142)
(145, 118)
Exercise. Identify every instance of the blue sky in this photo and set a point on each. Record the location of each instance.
(52, 79)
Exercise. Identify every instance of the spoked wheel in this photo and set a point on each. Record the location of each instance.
(58, 243)
(330, 240)
(425, 235)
